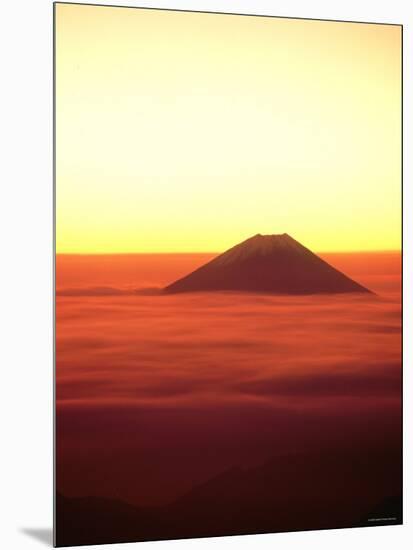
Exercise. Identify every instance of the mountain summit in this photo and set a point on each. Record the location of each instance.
(275, 264)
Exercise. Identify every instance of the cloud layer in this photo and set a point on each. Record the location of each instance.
(169, 390)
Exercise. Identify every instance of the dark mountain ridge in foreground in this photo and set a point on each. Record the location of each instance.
(276, 264)
(322, 490)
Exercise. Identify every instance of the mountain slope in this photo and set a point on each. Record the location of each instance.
(267, 263)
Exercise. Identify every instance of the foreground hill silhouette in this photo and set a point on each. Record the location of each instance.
(323, 490)
(275, 264)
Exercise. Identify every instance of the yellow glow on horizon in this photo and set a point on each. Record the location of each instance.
(189, 132)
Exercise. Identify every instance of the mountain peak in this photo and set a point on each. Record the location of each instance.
(273, 239)
(270, 237)
(275, 264)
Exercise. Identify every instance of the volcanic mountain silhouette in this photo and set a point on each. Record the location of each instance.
(275, 264)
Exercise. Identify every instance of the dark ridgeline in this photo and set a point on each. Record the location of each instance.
(275, 264)
(288, 493)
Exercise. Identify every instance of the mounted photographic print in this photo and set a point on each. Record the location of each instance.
(228, 274)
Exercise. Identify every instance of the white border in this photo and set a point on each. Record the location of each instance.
(26, 270)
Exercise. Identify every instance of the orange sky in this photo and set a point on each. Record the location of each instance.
(191, 132)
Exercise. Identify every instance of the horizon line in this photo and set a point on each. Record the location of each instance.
(165, 253)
